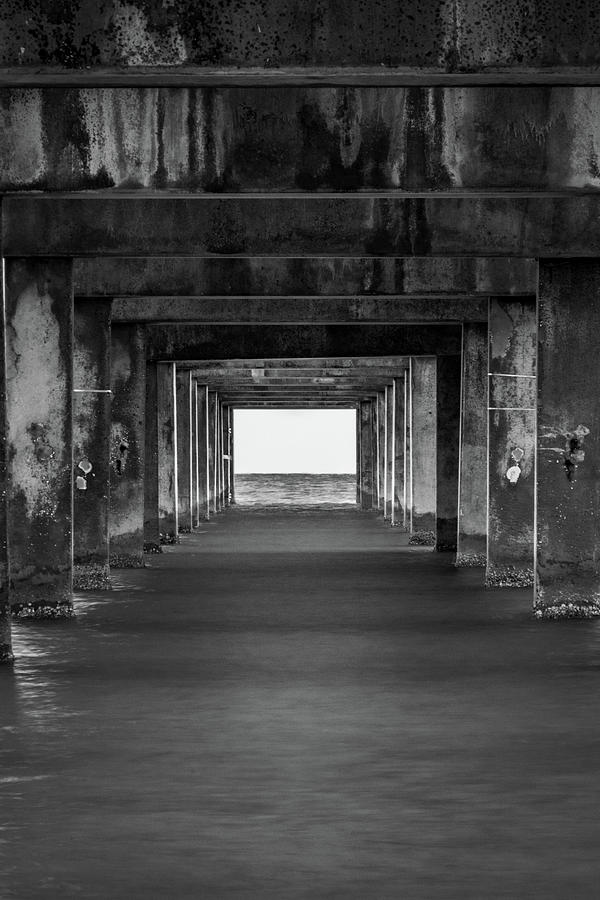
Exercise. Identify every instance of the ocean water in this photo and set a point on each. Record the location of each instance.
(298, 489)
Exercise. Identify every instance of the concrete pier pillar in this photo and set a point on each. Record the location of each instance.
(221, 456)
(423, 452)
(448, 451)
(381, 450)
(39, 413)
(128, 414)
(202, 403)
(6, 654)
(212, 450)
(226, 457)
(367, 455)
(389, 453)
(195, 460)
(151, 528)
(568, 440)
(472, 506)
(358, 458)
(511, 440)
(400, 456)
(231, 460)
(168, 512)
(184, 451)
(91, 444)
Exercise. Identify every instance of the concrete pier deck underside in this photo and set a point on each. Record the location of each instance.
(299, 706)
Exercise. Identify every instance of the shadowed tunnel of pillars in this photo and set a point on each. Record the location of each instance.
(113, 449)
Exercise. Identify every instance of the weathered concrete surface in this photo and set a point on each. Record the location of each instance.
(327, 276)
(367, 455)
(381, 442)
(151, 527)
(568, 496)
(210, 342)
(184, 452)
(227, 455)
(423, 450)
(128, 415)
(212, 451)
(6, 653)
(511, 430)
(448, 451)
(472, 506)
(389, 452)
(204, 507)
(166, 411)
(195, 459)
(400, 456)
(299, 138)
(39, 407)
(310, 225)
(445, 35)
(288, 310)
(231, 457)
(92, 444)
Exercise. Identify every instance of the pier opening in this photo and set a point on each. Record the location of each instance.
(293, 458)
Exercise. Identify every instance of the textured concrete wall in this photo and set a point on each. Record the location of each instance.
(300, 138)
(451, 34)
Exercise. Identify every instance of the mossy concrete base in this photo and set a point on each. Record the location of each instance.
(92, 577)
(43, 609)
(6, 654)
(568, 611)
(169, 538)
(508, 576)
(422, 539)
(470, 560)
(127, 561)
(151, 547)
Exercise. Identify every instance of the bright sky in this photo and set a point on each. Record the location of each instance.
(294, 440)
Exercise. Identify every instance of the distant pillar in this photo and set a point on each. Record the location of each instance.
(195, 460)
(231, 459)
(128, 413)
(358, 458)
(511, 460)
(91, 445)
(6, 654)
(568, 435)
(423, 439)
(203, 453)
(367, 453)
(184, 451)
(168, 515)
(389, 453)
(399, 454)
(151, 528)
(222, 452)
(472, 506)
(448, 451)
(212, 450)
(39, 412)
(381, 450)
(226, 458)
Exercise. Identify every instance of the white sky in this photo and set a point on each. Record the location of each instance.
(294, 440)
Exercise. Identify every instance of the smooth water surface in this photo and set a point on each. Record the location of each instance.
(301, 706)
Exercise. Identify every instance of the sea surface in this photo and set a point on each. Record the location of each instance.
(296, 489)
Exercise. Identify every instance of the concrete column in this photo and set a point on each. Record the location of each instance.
(231, 460)
(184, 450)
(195, 460)
(39, 413)
(399, 453)
(204, 508)
(91, 445)
(151, 527)
(568, 477)
(226, 458)
(168, 514)
(472, 479)
(6, 654)
(511, 439)
(222, 452)
(389, 453)
(367, 454)
(448, 451)
(423, 450)
(128, 412)
(212, 450)
(381, 445)
(358, 459)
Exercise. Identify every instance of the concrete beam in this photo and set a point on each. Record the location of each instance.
(347, 363)
(194, 343)
(319, 276)
(351, 225)
(299, 138)
(201, 310)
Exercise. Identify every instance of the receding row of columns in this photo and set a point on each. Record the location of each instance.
(105, 453)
